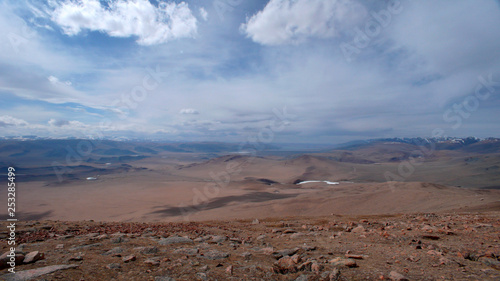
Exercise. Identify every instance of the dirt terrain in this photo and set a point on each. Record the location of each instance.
(425, 246)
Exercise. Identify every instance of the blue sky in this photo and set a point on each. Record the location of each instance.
(221, 70)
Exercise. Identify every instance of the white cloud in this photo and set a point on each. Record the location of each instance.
(7, 120)
(288, 21)
(203, 14)
(189, 111)
(76, 125)
(55, 81)
(153, 25)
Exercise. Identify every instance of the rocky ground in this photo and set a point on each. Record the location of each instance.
(403, 247)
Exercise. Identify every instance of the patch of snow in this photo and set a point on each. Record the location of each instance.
(327, 182)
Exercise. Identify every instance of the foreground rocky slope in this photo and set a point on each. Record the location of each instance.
(403, 247)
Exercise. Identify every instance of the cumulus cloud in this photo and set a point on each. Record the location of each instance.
(289, 21)
(66, 123)
(152, 24)
(189, 111)
(7, 120)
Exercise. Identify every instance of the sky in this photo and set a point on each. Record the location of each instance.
(298, 71)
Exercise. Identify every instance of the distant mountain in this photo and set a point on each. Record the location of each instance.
(469, 144)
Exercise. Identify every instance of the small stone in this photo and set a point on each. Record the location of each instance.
(285, 252)
(246, 255)
(267, 251)
(34, 273)
(334, 275)
(395, 276)
(76, 258)
(129, 258)
(261, 237)
(164, 278)
(308, 248)
(118, 239)
(201, 276)
(33, 257)
(215, 255)
(204, 268)
(358, 229)
(113, 266)
(315, 267)
(218, 239)
(285, 265)
(152, 262)
(175, 240)
(114, 252)
(147, 250)
(255, 221)
(187, 251)
(297, 235)
(229, 270)
(60, 246)
(343, 262)
(351, 256)
(302, 277)
(490, 262)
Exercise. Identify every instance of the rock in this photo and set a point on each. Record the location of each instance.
(246, 255)
(285, 265)
(201, 276)
(152, 262)
(164, 278)
(76, 258)
(85, 247)
(343, 262)
(490, 262)
(285, 252)
(147, 250)
(218, 239)
(255, 221)
(129, 258)
(430, 237)
(395, 276)
(118, 239)
(302, 277)
(114, 252)
(187, 251)
(289, 231)
(113, 266)
(174, 240)
(308, 248)
(358, 229)
(60, 246)
(334, 275)
(229, 270)
(215, 255)
(297, 235)
(33, 257)
(204, 268)
(351, 256)
(34, 273)
(267, 251)
(315, 267)
(261, 237)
